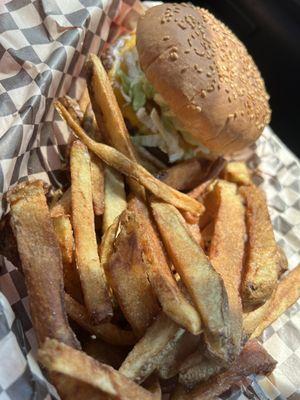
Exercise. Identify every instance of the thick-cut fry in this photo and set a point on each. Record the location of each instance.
(43, 270)
(64, 234)
(57, 357)
(253, 360)
(284, 296)
(106, 107)
(114, 197)
(150, 350)
(126, 275)
(131, 169)
(106, 331)
(92, 277)
(262, 265)
(171, 298)
(73, 107)
(202, 282)
(237, 172)
(97, 178)
(227, 251)
(184, 175)
(63, 206)
(185, 346)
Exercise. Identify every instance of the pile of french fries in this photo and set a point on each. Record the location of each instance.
(166, 290)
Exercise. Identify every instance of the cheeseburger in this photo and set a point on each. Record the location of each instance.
(187, 85)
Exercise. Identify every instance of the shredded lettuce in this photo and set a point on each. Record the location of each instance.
(160, 126)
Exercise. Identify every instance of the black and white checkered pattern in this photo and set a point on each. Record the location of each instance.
(43, 45)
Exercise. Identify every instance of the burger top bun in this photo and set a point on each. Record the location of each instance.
(204, 74)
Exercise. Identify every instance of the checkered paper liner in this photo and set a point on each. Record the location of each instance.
(43, 44)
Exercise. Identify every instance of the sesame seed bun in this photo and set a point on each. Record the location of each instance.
(204, 74)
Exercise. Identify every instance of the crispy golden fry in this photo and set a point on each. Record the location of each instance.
(202, 282)
(172, 361)
(84, 100)
(73, 107)
(227, 251)
(284, 296)
(41, 260)
(97, 178)
(197, 368)
(63, 230)
(114, 197)
(63, 206)
(150, 350)
(92, 277)
(106, 107)
(106, 331)
(194, 229)
(171, 298)
(262, 264)
(126, 275)
(152, 384)
(252, 360)
(237, 172)
(185, 175)
(58, 357)
(131, 169)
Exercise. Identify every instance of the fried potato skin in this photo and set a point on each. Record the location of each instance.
(262, 264)
(43, 270)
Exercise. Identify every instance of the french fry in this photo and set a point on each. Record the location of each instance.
(283, 261)
(185, 175)
(43, 270)
(84, 100)
(238, 173)
(63, 206)
(114, 197)
(262, 265)
(106, 331)
(227, 251)
(186, 345)
(284, 296)
(60, 358)
(150, 350)
(171, 298)
(97, 178)
(203, 283)
(106, 107)
(73, 107)
(253, 360)
(131, 169)
(92, 277)
(126, 275)
(63, 230)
